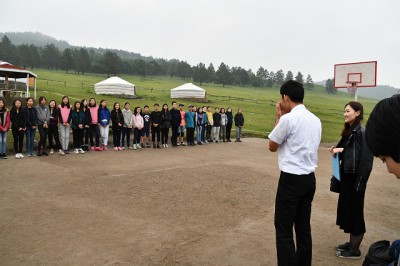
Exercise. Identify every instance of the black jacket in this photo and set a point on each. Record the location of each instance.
(239, 120)
(17, 119)
(217, 119)
(166, 119)
(175, 117)
(155, 117)
(356, 157)
(88, 117)
(30, 117)
(229, 115)
(53, 117)
(117, 117)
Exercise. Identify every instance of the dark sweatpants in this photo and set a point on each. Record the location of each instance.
(293, 208)
(175, 134)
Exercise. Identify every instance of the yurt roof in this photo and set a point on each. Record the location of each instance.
(114, 81)
(188, 87)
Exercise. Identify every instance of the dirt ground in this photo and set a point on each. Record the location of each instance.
(203, 205)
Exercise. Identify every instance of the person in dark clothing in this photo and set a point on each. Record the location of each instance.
(117, 119)
(165, 124)
(216, 125)
(88, 121)
(382, 133)
(53, 128)
(239, 122)
(77, 125)
(229, 124)
(155, 121)
(356, 165)
(4, 127)
(43, 114)
(31, 125)
(146, 127)
(18, 125)
(175, 122)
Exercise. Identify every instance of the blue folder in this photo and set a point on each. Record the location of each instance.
(336, 166)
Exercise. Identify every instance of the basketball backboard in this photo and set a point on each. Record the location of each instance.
(363, 74)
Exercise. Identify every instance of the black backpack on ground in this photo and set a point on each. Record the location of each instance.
(379, 254)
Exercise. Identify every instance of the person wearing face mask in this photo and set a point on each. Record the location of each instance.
(355, 168)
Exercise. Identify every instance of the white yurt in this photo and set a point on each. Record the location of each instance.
(188, 90)
(115, 86)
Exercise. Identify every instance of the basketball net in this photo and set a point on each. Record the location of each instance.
(352, 89)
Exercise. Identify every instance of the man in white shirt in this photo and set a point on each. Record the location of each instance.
(297, 135)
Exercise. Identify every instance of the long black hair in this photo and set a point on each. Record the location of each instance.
(101, 106)
(135, 112)
(83, 105)
(41, 98)
(115, 110)
(14, 108)
(62, 102)
(163, 110)
(80, 107)
(3, 109)
(356, 106)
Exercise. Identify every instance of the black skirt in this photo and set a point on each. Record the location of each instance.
(350, 210)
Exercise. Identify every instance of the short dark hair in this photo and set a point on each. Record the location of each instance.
(156, 104)
(294, 90)
(173, 102)
(146, 106)
(41, 98)
(383, 128)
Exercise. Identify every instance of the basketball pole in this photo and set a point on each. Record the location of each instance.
(356, 94)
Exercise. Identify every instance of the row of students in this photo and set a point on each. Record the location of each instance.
(90, 125)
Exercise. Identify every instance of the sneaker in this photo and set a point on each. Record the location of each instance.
(199, 143)
(39, 153)
(148, 145)
(166, 145)
(216, 141)
(140, 146)
(81, 151)
(177, 144)
(131, 147)
(105, 148)
(163, 145)
(183, 144)
(92, 148)
(4, 156)
(21, 156)
(239, 140)
(17, 156)
(158, 146)
(60, 152)
(45, 153)
(154, 146)
(120, 149)
(66, 151)
(76, 151)
(115, 148)
(229, 140)
(349, 254)
(236, 140)
(343, 247)
(51, 151)
(29, 155)
(134, 146)
(123, 148)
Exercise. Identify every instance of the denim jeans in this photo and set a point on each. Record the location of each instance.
(238, 133)
(30, 140)
(215, 132)
(199, 129)
(3, 142)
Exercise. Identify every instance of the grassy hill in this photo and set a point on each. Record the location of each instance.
(258, 104)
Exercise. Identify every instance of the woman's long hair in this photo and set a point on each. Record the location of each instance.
(356, 106)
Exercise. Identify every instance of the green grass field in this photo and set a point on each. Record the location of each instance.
(258, 103)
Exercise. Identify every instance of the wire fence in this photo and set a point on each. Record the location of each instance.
(219, 98)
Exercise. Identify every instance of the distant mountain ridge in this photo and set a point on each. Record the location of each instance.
(40, 39)
(379, 92)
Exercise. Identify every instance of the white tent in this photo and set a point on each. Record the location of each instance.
(115, 86)
(188, 90)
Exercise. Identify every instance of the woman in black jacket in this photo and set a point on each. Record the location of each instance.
(355, 168)
(165, 125)
(117, 120)
(18, 125)
(229, 124)
(53, 128)
(87, 121)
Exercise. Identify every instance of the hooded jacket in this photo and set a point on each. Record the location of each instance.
(43, 114)
(117, 118)
(30, 117)
(17, 119)
(239, 120)
(166, 119)
(104, 116)
(128, 118)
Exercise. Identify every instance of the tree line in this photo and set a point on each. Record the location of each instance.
(82, 60)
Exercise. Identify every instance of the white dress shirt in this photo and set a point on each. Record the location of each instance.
(299, 134)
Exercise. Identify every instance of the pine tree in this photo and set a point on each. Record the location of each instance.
(289, 76)
(67, 61)
(309, 83)
(200, 73)
(299, 78)
(211, 73)
(279, 78)
(223, 74)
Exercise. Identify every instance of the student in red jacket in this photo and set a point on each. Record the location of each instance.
(4, 127)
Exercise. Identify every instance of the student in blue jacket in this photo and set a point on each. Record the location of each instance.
(104, 116)
(189, 122)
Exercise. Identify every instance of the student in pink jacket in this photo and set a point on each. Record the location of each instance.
(137, 130)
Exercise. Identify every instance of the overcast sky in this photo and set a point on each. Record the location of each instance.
(310, 36)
